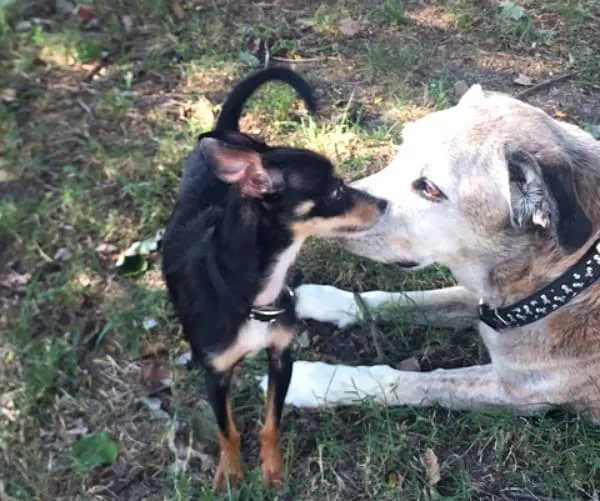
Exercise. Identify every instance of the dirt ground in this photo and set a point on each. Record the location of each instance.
(99, 104)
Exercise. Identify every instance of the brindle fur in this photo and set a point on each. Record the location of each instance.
(500, 235)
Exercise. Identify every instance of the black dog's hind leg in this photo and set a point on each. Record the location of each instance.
(280, 374)
(229, 468)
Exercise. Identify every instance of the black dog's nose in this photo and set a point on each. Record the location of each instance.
(382, 205)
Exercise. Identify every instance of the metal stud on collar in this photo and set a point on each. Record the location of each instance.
(270, 313)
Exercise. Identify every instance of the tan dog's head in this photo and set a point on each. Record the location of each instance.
(483, 183)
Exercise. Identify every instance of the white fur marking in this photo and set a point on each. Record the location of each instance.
(254, 336)
(273, 287)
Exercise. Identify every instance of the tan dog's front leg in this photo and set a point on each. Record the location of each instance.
(317, 384)
(451, 307)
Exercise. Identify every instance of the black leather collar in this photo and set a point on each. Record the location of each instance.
(270, 313)
(556, 294)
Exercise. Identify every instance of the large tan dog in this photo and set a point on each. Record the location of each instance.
(509, 200)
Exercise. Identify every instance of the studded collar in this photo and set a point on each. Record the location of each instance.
(272, 312)
(554, 295)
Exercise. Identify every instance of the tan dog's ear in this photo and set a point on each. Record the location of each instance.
(237, 165)
(543, 194)
(474, 95)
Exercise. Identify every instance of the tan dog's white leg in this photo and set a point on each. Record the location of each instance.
(451, 307)
(317, 384)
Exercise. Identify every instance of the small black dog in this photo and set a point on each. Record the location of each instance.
(243, 211)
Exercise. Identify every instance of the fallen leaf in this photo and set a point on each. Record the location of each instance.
(523, 80)
(154, 404)
(149, 323)
(128, 24)
(94, 451)
(432, 467)
(560, 114)
(23, 26)
(149, 349)
(182, 360)
(105, 248)
(63, 254)
(79, 429)
(206, 461)
(153, 374)
(135, 259)
(8, 95)
(348, 27)
(394, 479)
(15, 281)
(302, 340)
(305, 22)
(249, 59)
(85, 13)
(510, 10)
(176, 10)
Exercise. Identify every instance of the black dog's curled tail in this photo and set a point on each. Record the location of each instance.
(232, 108)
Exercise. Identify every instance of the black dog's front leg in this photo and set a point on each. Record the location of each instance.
(229, 468)
(280, 374)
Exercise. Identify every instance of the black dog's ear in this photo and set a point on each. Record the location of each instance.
(237, 165)
(543, 194)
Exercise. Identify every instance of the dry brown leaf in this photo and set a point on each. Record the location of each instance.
(432, 467)
(153, 374)
(106, 248)
(8, 95)
(348, 27)
(176, 10)
(15, 281)
(394, 479)
(150, 348)
(523, 80)
(85, 13)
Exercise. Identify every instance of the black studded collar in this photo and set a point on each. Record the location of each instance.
(554, 295)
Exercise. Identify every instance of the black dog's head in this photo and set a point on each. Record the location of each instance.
(296, 186)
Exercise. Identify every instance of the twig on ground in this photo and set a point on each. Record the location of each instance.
(84, 106)
(104, 60)
(299, 61)
(545, 83)
(373, 330)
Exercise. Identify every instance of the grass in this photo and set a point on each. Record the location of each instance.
(88, 168)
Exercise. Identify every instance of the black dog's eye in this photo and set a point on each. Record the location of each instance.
(425, 188)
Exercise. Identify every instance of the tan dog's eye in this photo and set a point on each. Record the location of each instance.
(428, 190)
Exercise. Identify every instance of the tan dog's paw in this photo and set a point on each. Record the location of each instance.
(229, 471)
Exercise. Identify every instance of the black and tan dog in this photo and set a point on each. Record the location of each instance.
(243, 211)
